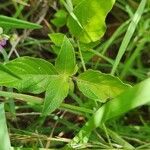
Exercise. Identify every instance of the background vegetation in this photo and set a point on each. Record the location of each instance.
(123, 51)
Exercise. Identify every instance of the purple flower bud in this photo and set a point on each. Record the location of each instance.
(2, 43)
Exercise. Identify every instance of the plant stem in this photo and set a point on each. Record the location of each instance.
(23, 97)
(81, 57)
(38, 100)
(102, 56)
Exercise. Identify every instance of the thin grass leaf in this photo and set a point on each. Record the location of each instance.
(129, 34)
(132, 58)
(119, 31)
(119, 139)
(4, 137)
(9, 22)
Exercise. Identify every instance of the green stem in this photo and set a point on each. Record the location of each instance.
(102, 56)
(23, 97)
(76, 108)
(5, 55)
(81, 57)
(38, 100)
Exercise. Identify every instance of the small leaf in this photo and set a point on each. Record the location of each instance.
(57, 38)
(9, 22)
(34, 72)
(99, 86)
(65, 62)
(87, 21)
(4, 137)
(60, 18)
(56, 92)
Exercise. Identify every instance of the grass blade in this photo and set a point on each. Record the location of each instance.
(9, 22)
(4, 137)
(129, 34)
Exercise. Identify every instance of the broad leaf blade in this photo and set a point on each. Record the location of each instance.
(9, 22)
(4, 137)
(56, 92)
(65, 62)
(99, 86)
(34, 72)
(6, 70)
(129, 99)
(91, 15)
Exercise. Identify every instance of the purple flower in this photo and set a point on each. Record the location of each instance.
(2, 43)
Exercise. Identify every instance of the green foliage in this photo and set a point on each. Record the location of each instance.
(75, 2)
(56, 92)
(99, 86)
(60, 18)
(9, 22)
(35, 74)
(65, 62)
(7, 71)
(4, 137)
(76, 77)
(129, 99)
(18, 148)
(129, 34)
(88, 25)
(57, 38)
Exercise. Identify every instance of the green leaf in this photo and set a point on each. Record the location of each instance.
(87, 21)
(9, 22)
(55, 49)
(34, 72)
(99, 86)
(65, 62)
(4, 137)
(56, 92)
(60, 18)
(75, 2)
(6, 70)
(57, 38)
(129, 99)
